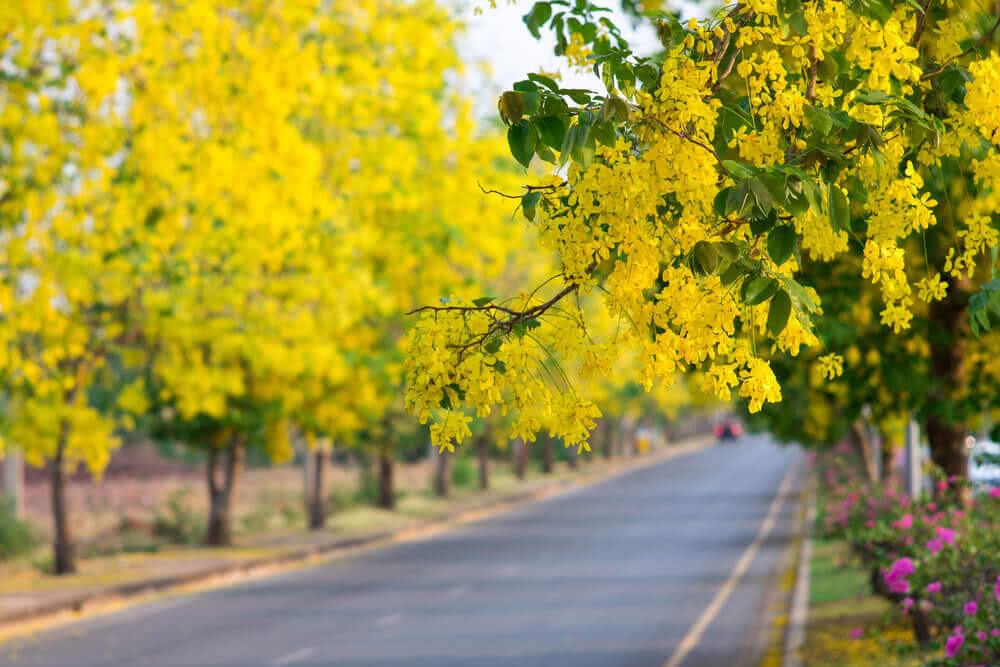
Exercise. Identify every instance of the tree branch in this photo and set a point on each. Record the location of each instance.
(985, 38)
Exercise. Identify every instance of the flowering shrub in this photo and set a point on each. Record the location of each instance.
(939, 557)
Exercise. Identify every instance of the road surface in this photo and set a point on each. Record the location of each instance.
(616, 574)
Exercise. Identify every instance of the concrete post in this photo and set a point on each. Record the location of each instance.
(914, 460)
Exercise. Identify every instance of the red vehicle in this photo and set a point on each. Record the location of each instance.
(728, 430)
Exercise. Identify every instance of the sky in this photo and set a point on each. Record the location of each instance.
(499, 38)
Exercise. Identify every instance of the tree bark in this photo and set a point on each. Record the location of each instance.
(442, 474)
(227, 462)
(571, 457)
(609, 436)
(864, 444)
(62, 542)
(317, 497)
(547, 455)
(483, 452)
(945, 436)
(386, 490)
(520, 458)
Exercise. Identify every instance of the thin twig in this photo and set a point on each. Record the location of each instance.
(969, 50)
(921, 22)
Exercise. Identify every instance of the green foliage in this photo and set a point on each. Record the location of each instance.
(16, 536)
(178, 523)
(463, 472)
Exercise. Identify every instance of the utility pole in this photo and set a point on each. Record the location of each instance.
(914, 459)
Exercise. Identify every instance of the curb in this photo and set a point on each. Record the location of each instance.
(232, 572)
(799, 614)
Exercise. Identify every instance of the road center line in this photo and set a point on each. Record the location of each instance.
(693, 637)
(294, 656)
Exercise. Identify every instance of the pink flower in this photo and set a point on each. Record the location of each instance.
(995, 632)
(896, 576)
(996, 589)
(946, 534)
(870, 523)
(953, 644)
(934, 587)
(905, 523)
(981, 636)
(942, 485)
(935, 546)
(971, 608)
(995, 492)
(856, 633)
(907, 603)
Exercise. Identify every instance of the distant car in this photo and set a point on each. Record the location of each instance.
(728, 431)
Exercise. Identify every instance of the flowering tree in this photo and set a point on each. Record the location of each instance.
(702, 185)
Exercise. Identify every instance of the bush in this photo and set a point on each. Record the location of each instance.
(938, 558)
(16, 536)
(463, 472)
(179, 524)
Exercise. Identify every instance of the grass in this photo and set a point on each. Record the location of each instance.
(841, 603)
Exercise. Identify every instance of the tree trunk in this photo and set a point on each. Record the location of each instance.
(386, 492)
(547, 455)
(888, 458)
(571, 457)
(62, 542)
(442, 474)
(483, 450)
(317, 497)
(947, 367)
(226, 462)
(520, 458)
(860, 435)
(609, 436)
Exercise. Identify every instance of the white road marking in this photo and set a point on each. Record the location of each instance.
(694, 635)
(294, 656)
(386, 621)
(458, 591)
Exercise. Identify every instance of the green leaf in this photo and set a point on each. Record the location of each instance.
(760, 226)
(605, 133)
(529, 202)
(578, 95)
(511, 107)
(778, 312)
(780, 243)
(532, 102)
(732, 273)
(719, 205)
(872, 97)
(761, 195)
(758, 290)
(492, 346)
(500, 367)
(537, 17)
(738, 169)
(545, 81)
(840, 212)
(482, 301)
(706, 258)
(818, 119)
(525, 87)
(551, 130)
(522, 138)
(798, 23)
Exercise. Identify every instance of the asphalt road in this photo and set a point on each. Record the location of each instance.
(614, 574)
